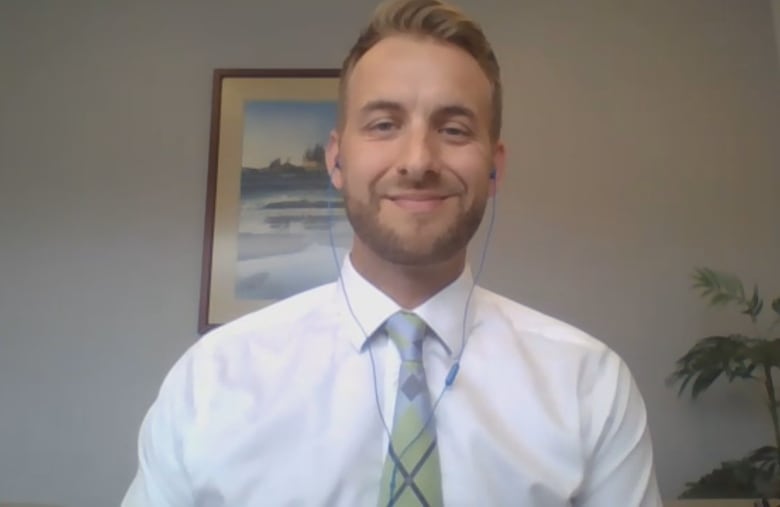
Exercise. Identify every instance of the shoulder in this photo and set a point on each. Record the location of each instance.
(560, 348)
(569, 355)
(535, 327)
(271, 322)
(238, 350)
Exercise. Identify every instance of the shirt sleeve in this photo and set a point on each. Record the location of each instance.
(617, 441)
(161, 479)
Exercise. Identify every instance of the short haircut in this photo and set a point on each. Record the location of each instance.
(429, 19)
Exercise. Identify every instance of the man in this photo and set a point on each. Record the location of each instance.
(402, 383)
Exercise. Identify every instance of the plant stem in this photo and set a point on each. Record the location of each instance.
(770, 390)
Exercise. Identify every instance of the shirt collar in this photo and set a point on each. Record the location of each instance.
(366, 308)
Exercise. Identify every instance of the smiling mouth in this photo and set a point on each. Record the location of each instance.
(419, 203)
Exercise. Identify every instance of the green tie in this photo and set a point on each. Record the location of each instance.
(412, 474)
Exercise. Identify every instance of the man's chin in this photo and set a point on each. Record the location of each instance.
(417, 259)
(419, 249)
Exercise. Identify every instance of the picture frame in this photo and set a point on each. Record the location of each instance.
(274, 226)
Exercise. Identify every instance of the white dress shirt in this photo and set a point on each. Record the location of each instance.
(280, 408)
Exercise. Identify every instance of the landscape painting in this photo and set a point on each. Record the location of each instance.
(290, 221)
(274, 227)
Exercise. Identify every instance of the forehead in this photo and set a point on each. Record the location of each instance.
(418, 72)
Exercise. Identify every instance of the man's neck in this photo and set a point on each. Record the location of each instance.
(409, 286)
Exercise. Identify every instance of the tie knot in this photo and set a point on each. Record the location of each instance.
(407, 331)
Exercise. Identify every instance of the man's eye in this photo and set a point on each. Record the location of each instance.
(454, 131)
(382, 126)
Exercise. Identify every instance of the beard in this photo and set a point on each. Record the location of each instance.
(417, 241)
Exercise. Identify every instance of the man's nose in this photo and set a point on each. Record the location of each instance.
(419, 153)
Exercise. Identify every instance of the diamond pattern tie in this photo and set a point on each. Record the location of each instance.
(412, 473)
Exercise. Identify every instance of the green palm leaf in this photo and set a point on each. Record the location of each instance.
(712, 357)
(750, 477)
(765, 459)
(723, 288)
(720, 287)
(735, 356)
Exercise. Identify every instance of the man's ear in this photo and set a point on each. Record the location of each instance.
(499, 166)
(333, 162)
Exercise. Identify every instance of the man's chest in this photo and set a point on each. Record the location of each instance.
(322, 449)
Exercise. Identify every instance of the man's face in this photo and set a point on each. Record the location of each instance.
(415, 152)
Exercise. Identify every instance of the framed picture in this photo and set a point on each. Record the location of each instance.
(274, 226)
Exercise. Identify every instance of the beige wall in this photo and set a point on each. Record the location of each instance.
(643, 142)
(776, 12)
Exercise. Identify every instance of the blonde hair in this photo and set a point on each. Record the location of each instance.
(427, 18)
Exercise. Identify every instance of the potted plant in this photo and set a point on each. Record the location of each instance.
(751, 357)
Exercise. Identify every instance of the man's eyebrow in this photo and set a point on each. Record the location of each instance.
(380, 105)
(456, 110)
(445, 111)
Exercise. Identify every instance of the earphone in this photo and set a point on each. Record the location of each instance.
(454, 369)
